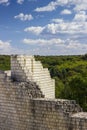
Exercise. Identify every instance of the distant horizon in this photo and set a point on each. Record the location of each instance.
(41, 55)
(49, 27)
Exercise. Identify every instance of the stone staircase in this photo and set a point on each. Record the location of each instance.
(25, 68)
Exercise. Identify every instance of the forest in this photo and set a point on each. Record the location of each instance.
(69, 72)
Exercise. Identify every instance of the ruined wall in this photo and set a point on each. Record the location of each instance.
(23, 107)
(15, 104)
(53, 114)
(78, 121)
(25, 68)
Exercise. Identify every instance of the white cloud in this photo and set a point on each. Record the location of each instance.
(43, 41)
(5, 47)
(3, 1)
(78, 5)
(80, 16)
(4, 44)
(52, 28)
(81, 5)
(75, 47)
(67, 27)
(36, 30)
(20, 1)
(77, 26)
(56, 46)
(50, 7)
(57, 20)
(24, 17)
(66, 11)
(6, 2)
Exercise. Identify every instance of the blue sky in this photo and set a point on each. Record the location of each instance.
(44, 27)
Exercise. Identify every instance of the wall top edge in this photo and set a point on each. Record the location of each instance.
(22, 56)
(80, 115)
(56, 100)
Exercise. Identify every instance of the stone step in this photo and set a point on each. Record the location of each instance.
(42, 80)
(47, 83)
(41, 72)
(27, 72)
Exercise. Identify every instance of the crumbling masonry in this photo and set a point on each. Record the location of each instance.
(27, 100)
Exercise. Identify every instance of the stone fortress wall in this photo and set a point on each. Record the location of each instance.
(24, 107)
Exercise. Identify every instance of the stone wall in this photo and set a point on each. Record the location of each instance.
(15, 103)
(78, 121)
(25, 68)
(53, 114)
(23, 107)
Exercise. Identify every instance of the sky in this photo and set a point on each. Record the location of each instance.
(43, 27)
